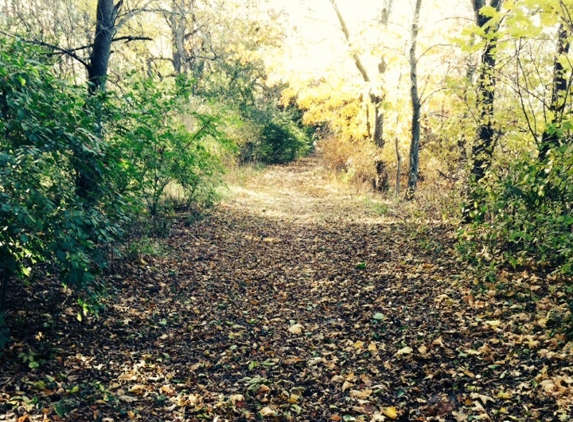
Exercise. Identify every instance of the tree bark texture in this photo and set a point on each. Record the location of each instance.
(416, 105)
(106, 15)
(88, 174)
(560, 86)
(482, 149)
(398, 165)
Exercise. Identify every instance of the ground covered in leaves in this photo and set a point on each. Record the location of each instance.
(295, 300)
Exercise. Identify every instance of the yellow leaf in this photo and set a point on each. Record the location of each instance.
(346, 385)
(359, 345)
(391, 412)
(167, 390)
(372, 348)
(295, 329)
(468, 372)
(127, 376)
(493, 323)
(293, 398)
(404, 351)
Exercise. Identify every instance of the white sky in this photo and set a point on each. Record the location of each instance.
(318, 43)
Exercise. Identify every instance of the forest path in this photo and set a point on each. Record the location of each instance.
(303, 192)
(294, 300)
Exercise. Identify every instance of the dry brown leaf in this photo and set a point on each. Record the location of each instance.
(404, 351)
(267, 412)
(346, 385)
(236, 398)
(360, 394)
(296, 329)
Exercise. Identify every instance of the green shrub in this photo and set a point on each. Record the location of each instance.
(48, 140)
(525, 218)
(163, 142)
(279, 138)
(76, 170)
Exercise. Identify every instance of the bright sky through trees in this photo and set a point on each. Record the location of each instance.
(317, 42)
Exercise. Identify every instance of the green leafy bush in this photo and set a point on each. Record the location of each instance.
(525, 218)
(279, 138)
(76, 169)
(47, 126)
(162, 141)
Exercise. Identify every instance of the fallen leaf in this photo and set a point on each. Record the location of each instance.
(460, 416)
(391, 412)
(267, 411)
(346, 385)
(360, 394)
(404, 351)
(138, 389)
(236, 398)
(296, 329)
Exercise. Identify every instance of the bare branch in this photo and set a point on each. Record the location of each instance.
(129, 38)
(71, 53)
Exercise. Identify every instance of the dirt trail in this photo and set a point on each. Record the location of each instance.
(293, 301)
(302, 192)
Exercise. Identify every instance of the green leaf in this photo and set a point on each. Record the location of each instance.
(61, 408)
(378, 316)
(489, 11)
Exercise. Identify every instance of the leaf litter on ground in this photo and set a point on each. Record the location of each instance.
(293, 301)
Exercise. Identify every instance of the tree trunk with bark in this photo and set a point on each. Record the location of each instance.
(482, 149)
(88, 174)
(416, 106)
(550, 137)
(105, 31)
(377, 135)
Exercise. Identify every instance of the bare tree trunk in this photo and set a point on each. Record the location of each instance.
(416, 106)
(482, 149)
(550, 138)
(398, 166)
(88, 175)
(105, 30)
(377, 135)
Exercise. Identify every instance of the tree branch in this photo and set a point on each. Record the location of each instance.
(71, 53)
(129, 38)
